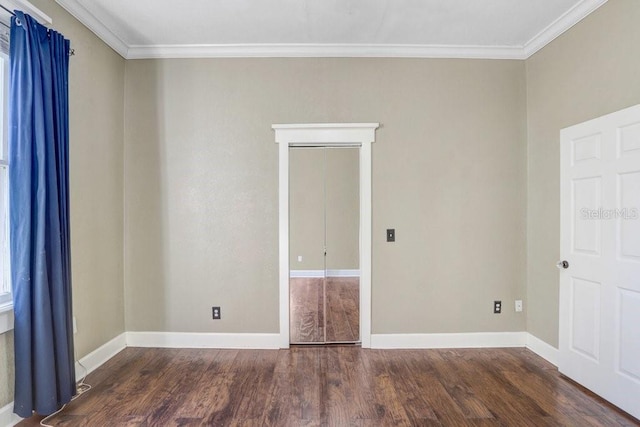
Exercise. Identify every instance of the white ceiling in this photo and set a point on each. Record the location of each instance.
(408, 28)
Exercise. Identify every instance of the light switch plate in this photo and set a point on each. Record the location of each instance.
(391, 234)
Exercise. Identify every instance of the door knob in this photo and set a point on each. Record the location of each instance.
(562, 264)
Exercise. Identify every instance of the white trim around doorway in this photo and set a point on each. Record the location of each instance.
(326, 135)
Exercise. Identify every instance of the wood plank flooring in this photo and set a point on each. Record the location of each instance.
(307, 314)
(333, 386)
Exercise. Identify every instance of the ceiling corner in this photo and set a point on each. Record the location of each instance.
(29, 8)
(570, 18)
(95, 25)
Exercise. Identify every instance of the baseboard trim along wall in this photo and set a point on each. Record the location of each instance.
(99, 356)
(542, 349)
(7, 417)
(320, 273)
(467, 340)
(202, 340)
(463, 340)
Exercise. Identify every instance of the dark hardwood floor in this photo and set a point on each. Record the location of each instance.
(343, 309)
(307, 310)
(333, 386)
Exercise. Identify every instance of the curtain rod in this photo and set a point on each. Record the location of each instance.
(11, 12)
(71, 51)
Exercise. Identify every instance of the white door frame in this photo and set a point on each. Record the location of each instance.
(326, 135)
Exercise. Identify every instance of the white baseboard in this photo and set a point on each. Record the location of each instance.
(202, 340)
(7, 417)
(343, 273)
(542, 349)
(320, 273)
(468, 340)
(306, 273)
(455, 340)
(99, 356)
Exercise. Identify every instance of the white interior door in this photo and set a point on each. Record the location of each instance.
(600, 240)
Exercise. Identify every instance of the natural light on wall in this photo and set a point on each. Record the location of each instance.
(6, 301)
(5, 285)
(5, 276)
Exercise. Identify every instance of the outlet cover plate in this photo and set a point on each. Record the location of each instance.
(497, 307)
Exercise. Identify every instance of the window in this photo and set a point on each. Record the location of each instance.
(5, 272)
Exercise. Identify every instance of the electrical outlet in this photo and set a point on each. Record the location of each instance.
(299, 258)
(518, 305)
(497, 307)
(215, 311)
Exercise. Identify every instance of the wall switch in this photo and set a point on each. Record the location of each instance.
(216, 313)
(299, 258)
(75, 325)
(497, 307)
(391, 234)
(518, 305)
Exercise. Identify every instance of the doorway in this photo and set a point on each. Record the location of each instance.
(360, 135)
(324, 240)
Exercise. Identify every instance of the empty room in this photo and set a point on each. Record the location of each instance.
(305, 213)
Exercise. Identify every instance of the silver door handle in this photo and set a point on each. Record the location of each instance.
(562, 264)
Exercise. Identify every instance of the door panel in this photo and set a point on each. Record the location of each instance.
(628, 343)
(629, 138)
(628, 232)
(586, 148)
(585, 319)
(306, 210)
(306, 246)
(343, 244)
(342, 210)
(586, 234)
(600, 238)
(324, 245)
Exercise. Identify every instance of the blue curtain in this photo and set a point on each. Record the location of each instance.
(39, 217)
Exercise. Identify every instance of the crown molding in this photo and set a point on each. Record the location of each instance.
(307, 50)
(304, 50)
(95, 25)
(554, 30)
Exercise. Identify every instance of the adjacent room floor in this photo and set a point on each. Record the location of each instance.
(333, 386)
(307, 316)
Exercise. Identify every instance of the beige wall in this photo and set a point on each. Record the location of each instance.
(591, 70)
(306, 208)
(96, 91)
(7, 370)
(343, 208)
(324, 186)
(449, 170)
